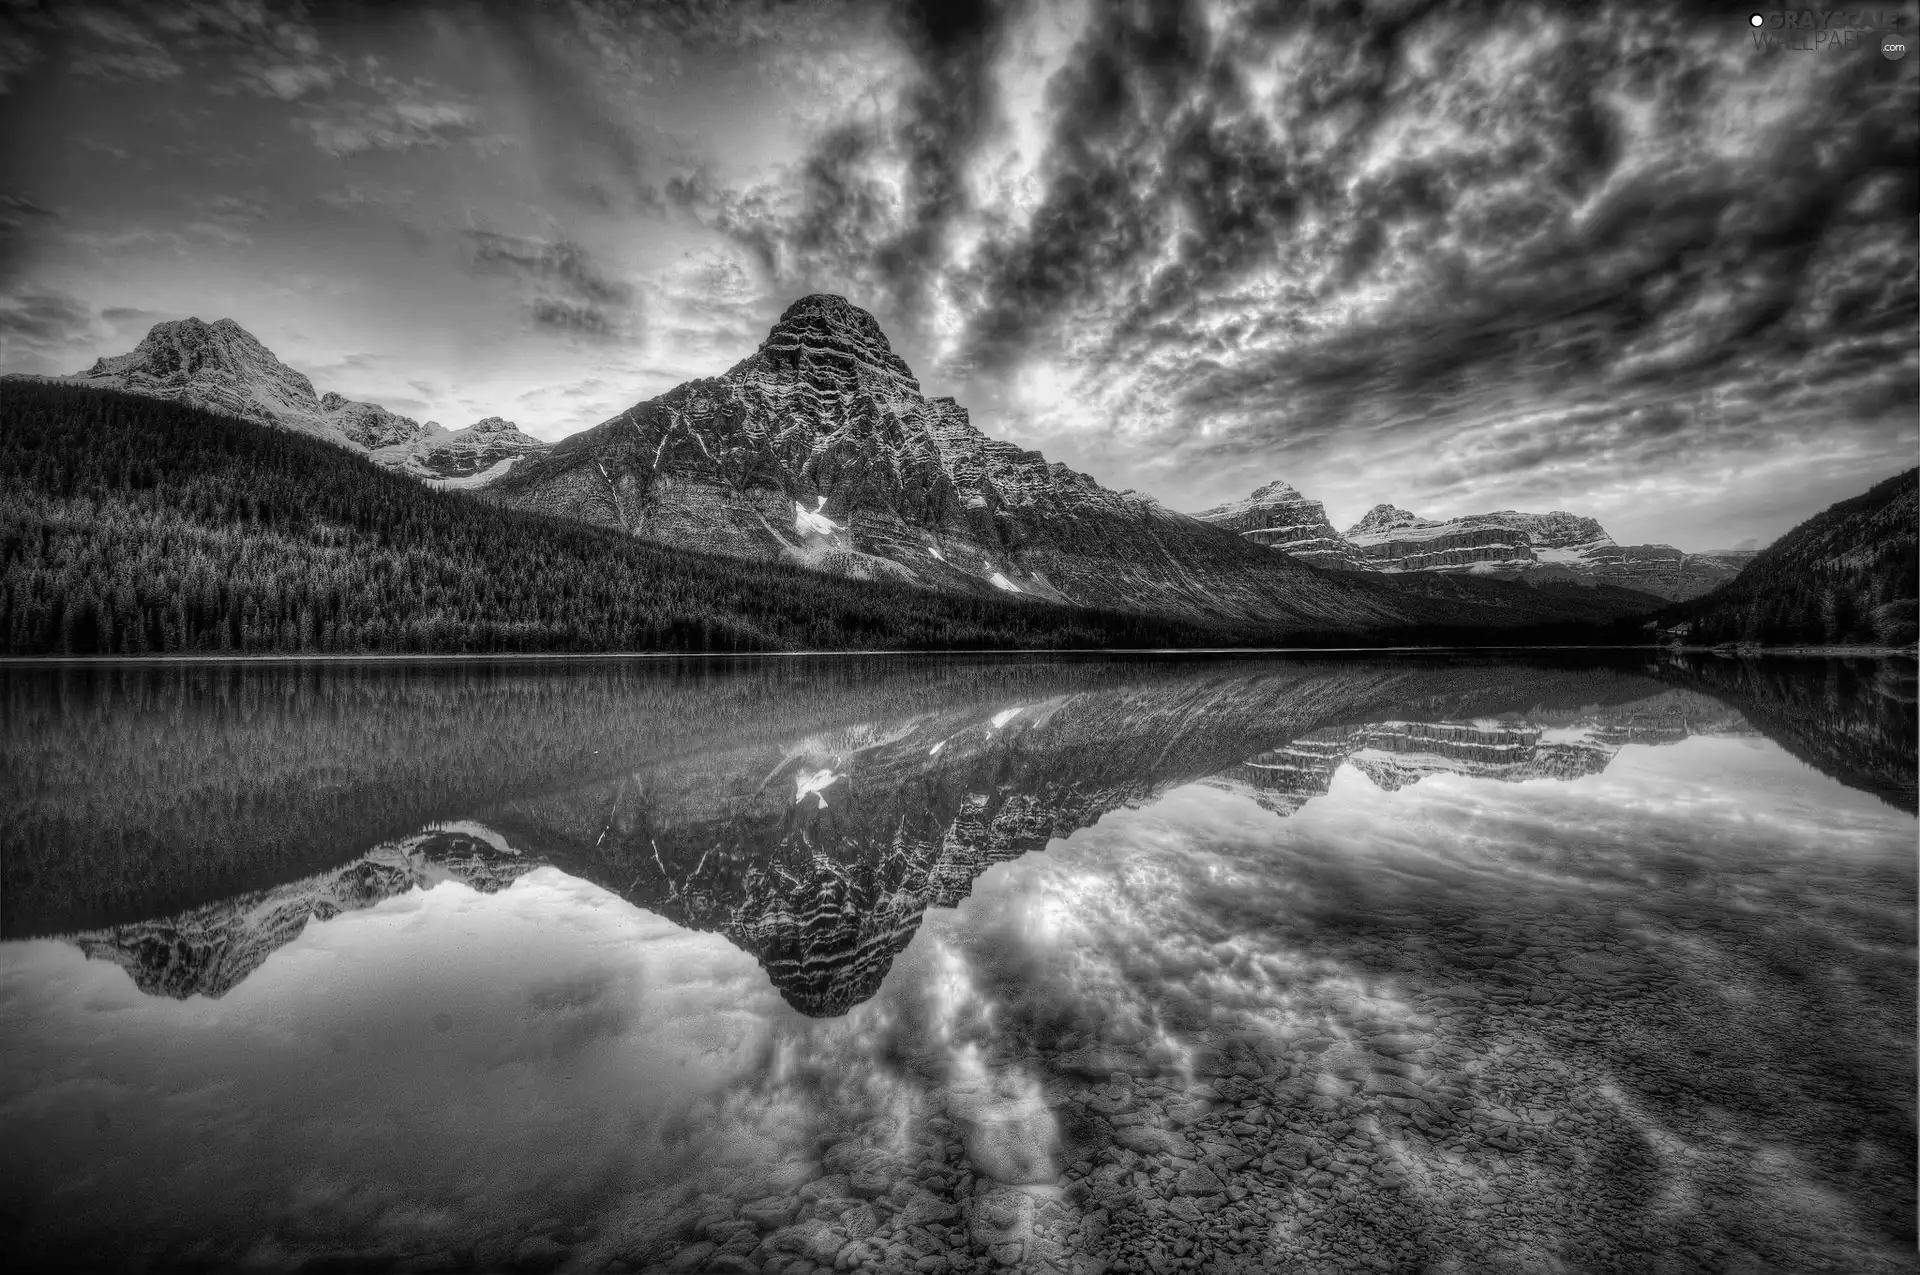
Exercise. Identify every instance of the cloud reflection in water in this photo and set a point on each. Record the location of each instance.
(1429, 997)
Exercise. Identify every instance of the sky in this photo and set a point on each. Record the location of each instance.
(1621, 260)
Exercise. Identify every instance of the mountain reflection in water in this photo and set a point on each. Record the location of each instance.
(1311, 937)
(744, 842)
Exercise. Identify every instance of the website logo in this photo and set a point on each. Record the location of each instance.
(1828, 30)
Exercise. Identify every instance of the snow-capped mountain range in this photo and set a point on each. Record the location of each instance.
(1538, 548)
(221, 367)
(821, 448)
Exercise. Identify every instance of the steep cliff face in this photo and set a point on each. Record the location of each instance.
(1506, 542)
(221, 367)
(821, 447)
(1537, 548)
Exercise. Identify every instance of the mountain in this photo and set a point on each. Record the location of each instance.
(221, 367)
(464, 458)
(1552, 548)
(1281, 518)
(1535, 548)
(130, 525)
(820, 448)
(1849, 574)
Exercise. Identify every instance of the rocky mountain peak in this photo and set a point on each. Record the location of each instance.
(1279, 517)
(1386, 518)
(831, 346)
(824, 313)
(1557, 530)
(221, 367)
(178, 351)
(1278, 489)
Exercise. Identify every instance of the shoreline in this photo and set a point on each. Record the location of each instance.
(402, 657)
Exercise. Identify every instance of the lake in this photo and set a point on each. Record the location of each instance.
(1446, 963)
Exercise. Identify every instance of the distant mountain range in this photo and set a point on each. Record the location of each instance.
(1509, 545)
(820, 447)
(221, 367)
(820, 450)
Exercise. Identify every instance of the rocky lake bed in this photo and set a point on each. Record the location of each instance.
(1518, 1121)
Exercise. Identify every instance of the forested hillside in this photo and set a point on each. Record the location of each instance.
(132, 525)
(1848, 575)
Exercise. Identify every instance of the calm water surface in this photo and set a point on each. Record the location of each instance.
(1435, 964)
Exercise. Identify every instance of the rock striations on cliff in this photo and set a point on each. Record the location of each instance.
(221, 367)
(1279, 517)
(1538, 548)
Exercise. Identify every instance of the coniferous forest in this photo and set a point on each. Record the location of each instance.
(130, 525)
(1848, 575)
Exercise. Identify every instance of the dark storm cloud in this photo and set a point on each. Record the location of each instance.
(942, 119)
(567, 291)
(870, 207)
(270, 44)
(570, 317)
(559, 262)
(1280, 261)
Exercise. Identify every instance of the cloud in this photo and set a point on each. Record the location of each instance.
(120, 48)
(291, 81)
(41, 332)
(132, 318)
(568, 316)
(564, 290)
(343, 129)
(1300, 236)
(229, 219)
(1439, 254)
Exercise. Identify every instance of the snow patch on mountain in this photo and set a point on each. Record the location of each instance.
(812, 521)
